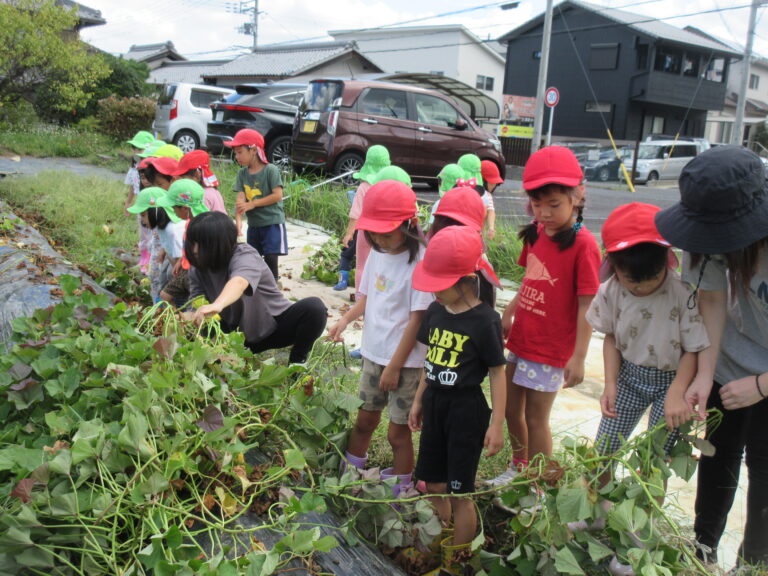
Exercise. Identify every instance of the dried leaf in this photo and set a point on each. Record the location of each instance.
(209, 501)
(212, 419)
(57, 447)
(23, 490)
(24, 384)
(166, 347)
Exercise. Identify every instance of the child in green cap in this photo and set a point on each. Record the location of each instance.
(140, 141)
(446, 180)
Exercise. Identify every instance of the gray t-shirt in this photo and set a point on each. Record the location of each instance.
(257, 186)
(744, 344)
(253, 314)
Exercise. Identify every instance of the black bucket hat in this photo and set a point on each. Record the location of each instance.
(723, 203)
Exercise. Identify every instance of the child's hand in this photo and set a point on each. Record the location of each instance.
(334, 332)
(241, 206)
(177, 267)
(415, 417)
(494, 439)
(574, 372)
(390, 378)
(608, 401)
(676, 411)
(697, 395)
(346, 240)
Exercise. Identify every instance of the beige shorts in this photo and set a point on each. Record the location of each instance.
(399, 401)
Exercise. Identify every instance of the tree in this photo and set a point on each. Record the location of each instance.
(39, 47)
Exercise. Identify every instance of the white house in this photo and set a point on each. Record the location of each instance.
(449, 50)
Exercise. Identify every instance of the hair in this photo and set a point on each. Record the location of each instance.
(478, 286)
(216, 238)
(152, 174)
(441, 222)
(742, 264)
(158, 218)
(565, 238)
(414, 239)
(193, 175)
(640, 262)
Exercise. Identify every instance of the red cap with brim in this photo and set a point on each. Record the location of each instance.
(452, 253)
(251, 138)
(631, 224)
(387, 205)
(464, 205)
(490, 172)
(163, 165)
(552, 165)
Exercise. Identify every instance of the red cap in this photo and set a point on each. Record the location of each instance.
(490, 172)
(197, 160)
(251, 138)
(162, 164)
(452, 253)
(552, 165)
(464, 205)
(386, 206)
(631, 224)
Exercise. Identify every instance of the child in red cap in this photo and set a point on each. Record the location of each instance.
(259, 189)
(392, 359)
(465, 344)
(491, 179)
(549, 336)
(652, 335)
(196, 165)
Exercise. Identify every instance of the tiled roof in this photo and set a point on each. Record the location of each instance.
(191, 71)
(87, 16)
(146, 52)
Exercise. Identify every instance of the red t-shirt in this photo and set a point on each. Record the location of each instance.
(544, 327)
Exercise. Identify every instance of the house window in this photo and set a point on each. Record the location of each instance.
(715, 70)
(691, 65)
(754, 81)
(484, 83)
(653, 125)
(642, 56)
(603, 56)
(668, 60)
(592, 106)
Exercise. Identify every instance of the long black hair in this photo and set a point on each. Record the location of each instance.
(414, 238)
(565, 238)
(158, 218)
(215, 236)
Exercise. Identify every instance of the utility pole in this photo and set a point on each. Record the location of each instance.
(538, 119)
(255, 25)
(249, 28)
(738, 126)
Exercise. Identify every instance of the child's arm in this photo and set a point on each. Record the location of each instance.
(128, 201)
(494, 437)
(334, 332)
(490, 224)
(611, 363)
(713, 309)
(415, 415)
(506, 318)
(240, 206)
(390, 376)
(350, 232)
(677, 411)
(268, 200)
(574, 369)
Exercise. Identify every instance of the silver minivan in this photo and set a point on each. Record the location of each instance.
(664, 159)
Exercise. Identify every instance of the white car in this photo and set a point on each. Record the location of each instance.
(663, 159)
(183, 112)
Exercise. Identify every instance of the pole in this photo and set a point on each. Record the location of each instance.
(538, 118)
(255, 24)
(549, 130)
(738, 126)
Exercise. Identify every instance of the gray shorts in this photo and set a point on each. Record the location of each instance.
(399, 401)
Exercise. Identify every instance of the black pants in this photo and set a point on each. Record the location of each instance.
(718, 478)
(348, 254)
(299, 326)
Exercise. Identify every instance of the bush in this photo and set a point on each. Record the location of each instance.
(121, 118)
(19, 113)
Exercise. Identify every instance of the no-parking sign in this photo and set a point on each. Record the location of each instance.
(551, 97)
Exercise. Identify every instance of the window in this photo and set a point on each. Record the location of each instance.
(668, 60)
(484, 83)
(592, 106)
(202, 99)
(691, 65)
(653, 125)
(291, 98)
(715, 70)
(754, 81)
(642, 56)
(435, 111)
(378, 102)
(683, 151)
(536, 54)
(603, 56)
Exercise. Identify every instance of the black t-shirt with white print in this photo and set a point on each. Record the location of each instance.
(461, 346)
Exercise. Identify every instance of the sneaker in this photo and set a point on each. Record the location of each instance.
(502, 479)
(357, 354)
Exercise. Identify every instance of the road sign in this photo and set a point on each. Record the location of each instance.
(551, 97)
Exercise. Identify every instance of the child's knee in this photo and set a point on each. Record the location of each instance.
(367, 421)
(399, 434)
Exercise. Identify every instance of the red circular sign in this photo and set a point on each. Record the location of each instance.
(551, 97)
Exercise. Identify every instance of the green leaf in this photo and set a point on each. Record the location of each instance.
(299, 542)
(262, 563)
(325, 544)
(705, 446)
(83, 449)
(597, 550)
(173, 538)
(20, 459)
(69, 283)
(573, 503)
(294, 459)
(45, 366)
(36, 558)
(155, 484)
(61, 463)
(133, 436)
(15, 537)
(566, 562)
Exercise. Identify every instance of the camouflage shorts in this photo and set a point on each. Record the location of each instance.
(399, 401)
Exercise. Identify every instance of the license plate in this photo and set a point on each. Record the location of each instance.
(309, 126)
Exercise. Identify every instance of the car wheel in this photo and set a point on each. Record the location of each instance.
(279, 152)
(186, 140)
(653, 177)
(603, 174)
(347, 163)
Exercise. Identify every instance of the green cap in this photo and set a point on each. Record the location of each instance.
(149, 151)
(141, 139)
(391, 173)
(448, 176)
(150, 198)
(376, 158)
(168, 151)
(185, 192)
(472, 167)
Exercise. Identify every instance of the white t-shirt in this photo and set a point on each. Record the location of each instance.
(386, 282)
(172, 238)
(488, 201)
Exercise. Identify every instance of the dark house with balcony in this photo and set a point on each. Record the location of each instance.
(647, 76)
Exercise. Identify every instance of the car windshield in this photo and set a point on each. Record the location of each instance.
(648, 152)
(320, 96)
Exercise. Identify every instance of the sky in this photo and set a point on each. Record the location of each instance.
(205, 29)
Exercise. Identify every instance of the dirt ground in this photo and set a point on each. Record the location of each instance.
(576, 411)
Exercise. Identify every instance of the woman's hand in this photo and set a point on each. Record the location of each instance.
(177, 267)
(206, 311)
(574, 372)
(415, 416)
(335, 331)
(740, 393)
(390, 378)
(494, 438)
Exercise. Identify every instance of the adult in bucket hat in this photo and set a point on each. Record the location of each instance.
(722, 223)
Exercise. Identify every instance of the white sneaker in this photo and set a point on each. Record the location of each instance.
(502, 479)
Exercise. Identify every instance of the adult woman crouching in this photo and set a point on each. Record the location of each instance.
(241, 288)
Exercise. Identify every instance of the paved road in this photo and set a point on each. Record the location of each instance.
(28, 165)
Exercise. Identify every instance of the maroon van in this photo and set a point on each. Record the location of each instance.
(423, 130)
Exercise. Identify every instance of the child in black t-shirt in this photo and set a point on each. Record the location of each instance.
(465, 343)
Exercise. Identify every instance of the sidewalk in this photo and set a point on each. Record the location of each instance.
(576, 411)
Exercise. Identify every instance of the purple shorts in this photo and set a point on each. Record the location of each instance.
(535, 375)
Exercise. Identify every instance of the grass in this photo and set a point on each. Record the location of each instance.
(45, 140)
